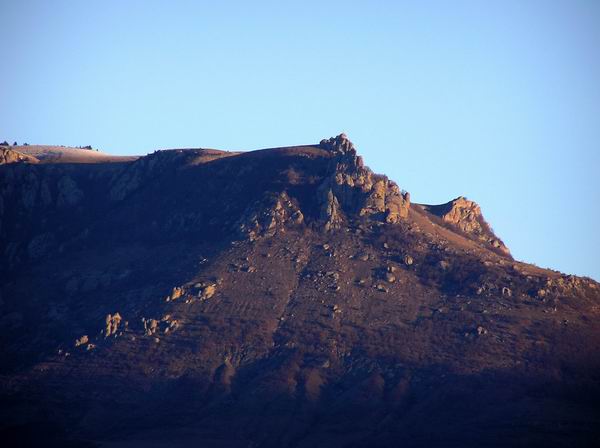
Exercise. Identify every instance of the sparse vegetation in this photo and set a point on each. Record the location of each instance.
(266, 299)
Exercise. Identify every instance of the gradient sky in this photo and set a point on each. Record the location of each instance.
(496, 101)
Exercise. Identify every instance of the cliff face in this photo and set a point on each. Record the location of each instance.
(355, 189)
(282, 297)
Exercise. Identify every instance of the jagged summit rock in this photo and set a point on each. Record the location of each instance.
(354, 188)
(285, 297)
(340, 144)
(466, 216)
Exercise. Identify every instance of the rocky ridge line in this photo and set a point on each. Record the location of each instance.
(466, 216)
(354, 188)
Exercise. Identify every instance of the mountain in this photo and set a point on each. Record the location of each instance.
(285, 297)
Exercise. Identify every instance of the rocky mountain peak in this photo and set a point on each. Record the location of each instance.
(286, 297)
(340, 144)
(465, 215)
(352, 188)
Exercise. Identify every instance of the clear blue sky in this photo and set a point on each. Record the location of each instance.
(497, 101)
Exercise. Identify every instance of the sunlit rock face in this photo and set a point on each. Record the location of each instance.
(354, 188)
(466, 216)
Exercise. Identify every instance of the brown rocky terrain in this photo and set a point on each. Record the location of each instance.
(286, 297)
(8, 155)
(62, 154)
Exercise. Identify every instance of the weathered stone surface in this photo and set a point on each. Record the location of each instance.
(112, 324)
(397, 204)
(466, 216)
(150, 326)
(82, 340)
(330, 211)
(353, 188)
(207, 292)
(167, 324)
(176, 293)
(269, 216)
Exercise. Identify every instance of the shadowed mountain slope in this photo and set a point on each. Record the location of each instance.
(287, 297)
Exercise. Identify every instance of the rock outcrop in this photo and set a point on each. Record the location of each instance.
(269, 216)
(176, 293)
(82, 340)
(353, 188)
(207, 291)
(112, 324)
(11, 156)
(466, 216)
(155, 326)
(330, 211)
(150, 326)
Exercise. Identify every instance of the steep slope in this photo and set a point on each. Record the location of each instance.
(466, 216)
(282, 297)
